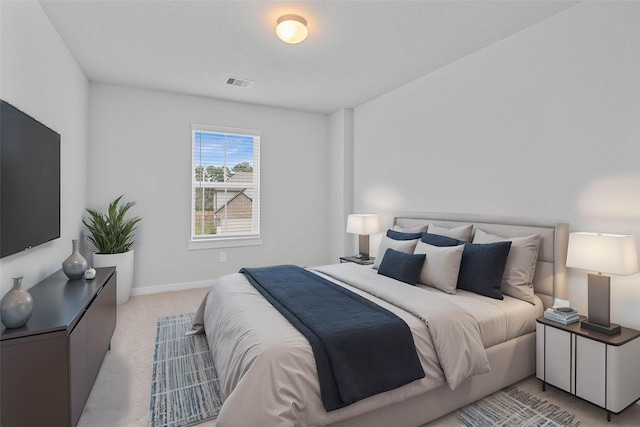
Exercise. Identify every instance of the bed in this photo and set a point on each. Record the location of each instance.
(267, 369)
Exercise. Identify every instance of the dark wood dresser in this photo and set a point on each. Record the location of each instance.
(48, 366)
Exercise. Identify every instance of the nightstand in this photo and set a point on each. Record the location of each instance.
(358, 260)
(601, 369)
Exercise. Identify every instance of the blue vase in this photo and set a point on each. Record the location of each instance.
(16, 306)
(76, 264)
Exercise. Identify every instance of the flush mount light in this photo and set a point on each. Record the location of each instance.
(292, 29)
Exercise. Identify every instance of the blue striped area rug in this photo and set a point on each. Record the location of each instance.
(512, 407)
(184, 386)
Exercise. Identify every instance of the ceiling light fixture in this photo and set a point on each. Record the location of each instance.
(292, 29)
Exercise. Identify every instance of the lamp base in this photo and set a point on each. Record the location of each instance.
(610, 329)
(599, 306)
(363, 246)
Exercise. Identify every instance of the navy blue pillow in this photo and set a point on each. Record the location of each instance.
(401, 266)
(399, 235)
(482, 268)
(438, 240)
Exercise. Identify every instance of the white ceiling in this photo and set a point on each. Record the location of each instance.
(356, 50)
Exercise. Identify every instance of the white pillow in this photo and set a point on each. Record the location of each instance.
(420, 229)
(517, 280)
(406, 246)
(461, 233)
(441, 267)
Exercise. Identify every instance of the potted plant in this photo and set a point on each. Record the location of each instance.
(113, 237)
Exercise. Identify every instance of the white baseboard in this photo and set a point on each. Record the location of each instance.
(171, 287)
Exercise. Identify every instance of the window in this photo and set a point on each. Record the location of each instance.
(225, 187)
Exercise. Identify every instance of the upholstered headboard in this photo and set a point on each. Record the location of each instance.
(550, 278)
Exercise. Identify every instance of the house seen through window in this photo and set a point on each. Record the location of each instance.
(225, 195)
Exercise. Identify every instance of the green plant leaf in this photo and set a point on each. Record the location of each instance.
(111, 233)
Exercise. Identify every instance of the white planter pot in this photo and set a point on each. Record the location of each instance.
(124, 268)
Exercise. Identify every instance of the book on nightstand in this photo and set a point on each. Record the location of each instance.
(564, 317)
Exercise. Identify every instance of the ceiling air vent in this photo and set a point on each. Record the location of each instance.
(238, 82)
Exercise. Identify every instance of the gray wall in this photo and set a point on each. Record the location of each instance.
(340, 176)
(39, 76)
(140, 145)
(543, 124)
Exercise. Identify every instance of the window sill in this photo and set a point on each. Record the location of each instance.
(230, 242)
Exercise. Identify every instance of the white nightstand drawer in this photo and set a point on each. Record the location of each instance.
(591, 370)
(558, 358)
(623, 375)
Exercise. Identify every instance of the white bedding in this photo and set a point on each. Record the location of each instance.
(499, 320)
(267, 369)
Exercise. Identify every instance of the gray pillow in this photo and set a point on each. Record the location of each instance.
(406, 246)
(442, 266)
(461, 233)
(517, 280)
(421, 229)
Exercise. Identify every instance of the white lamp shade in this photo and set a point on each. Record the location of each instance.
(603, 253)
(363, 224)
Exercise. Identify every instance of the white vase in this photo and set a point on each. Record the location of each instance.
(124, 269)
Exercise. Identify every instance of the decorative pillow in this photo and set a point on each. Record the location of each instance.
(482, 268)
(421, 229)
(517, 280)
(399, 235)
(441, 267)
(406, 246)
(461, 233)
(438, 240)
(401, 266)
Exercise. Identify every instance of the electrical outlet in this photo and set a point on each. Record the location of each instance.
(223, 257)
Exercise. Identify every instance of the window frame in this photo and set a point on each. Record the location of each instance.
(212, 241)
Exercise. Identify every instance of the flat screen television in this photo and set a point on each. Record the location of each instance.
(29, 181)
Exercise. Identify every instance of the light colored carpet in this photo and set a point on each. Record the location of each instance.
(122, 392)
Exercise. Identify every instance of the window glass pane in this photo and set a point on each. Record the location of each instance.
(204, 223)
(225, 198)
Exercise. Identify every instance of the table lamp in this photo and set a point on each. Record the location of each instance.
(601, 253)
(363, 225)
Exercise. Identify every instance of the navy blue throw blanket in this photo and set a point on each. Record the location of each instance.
(361, 349)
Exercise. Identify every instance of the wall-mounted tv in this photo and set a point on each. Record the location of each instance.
(29, 181)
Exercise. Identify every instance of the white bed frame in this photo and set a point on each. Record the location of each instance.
(510, 361)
